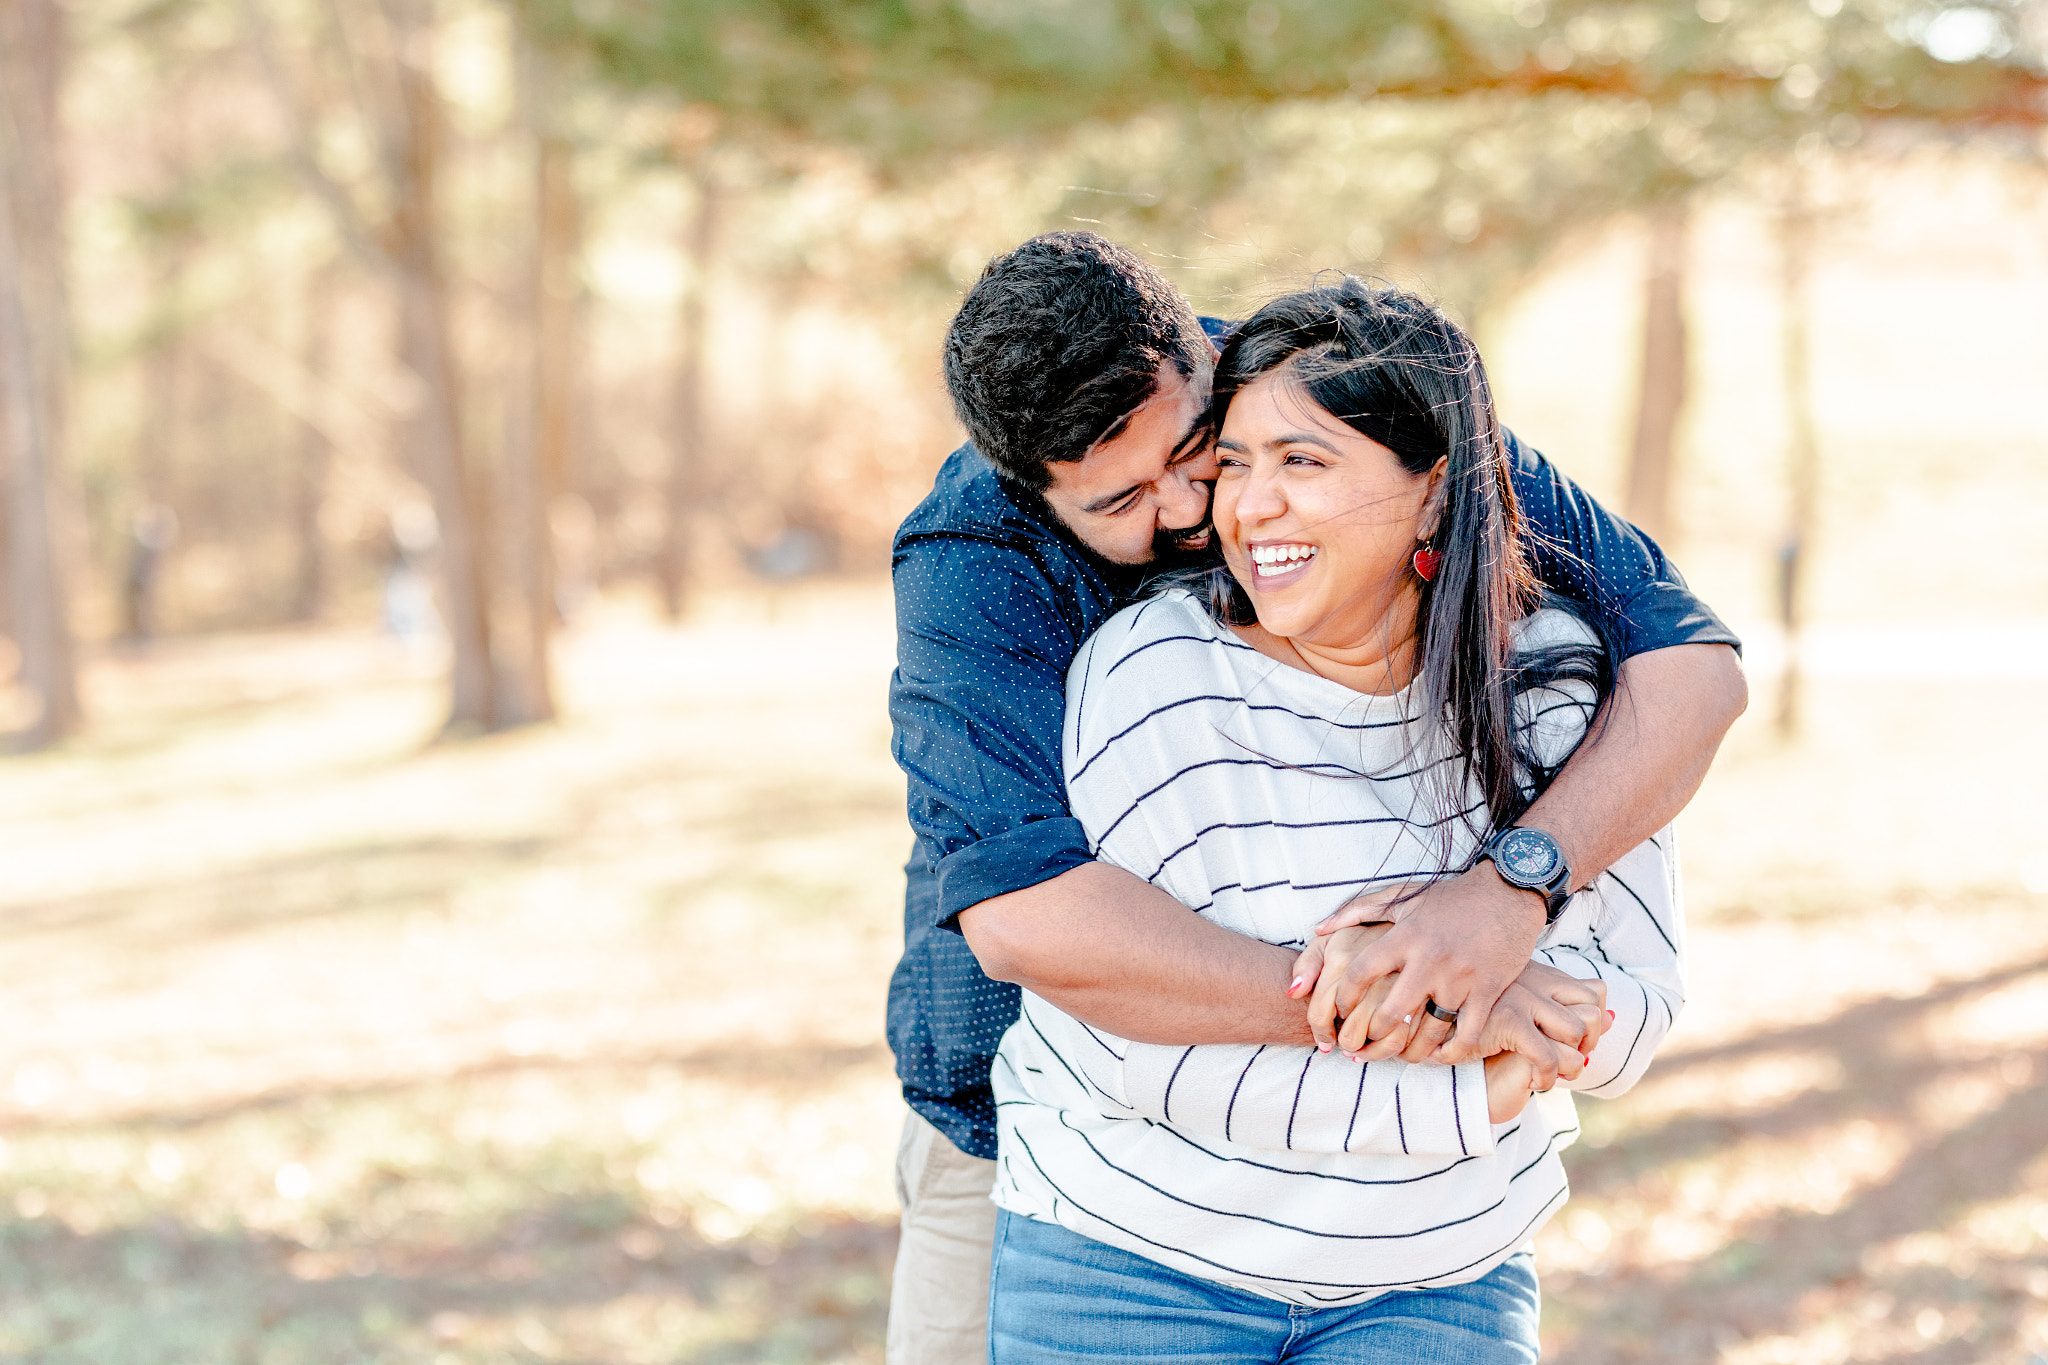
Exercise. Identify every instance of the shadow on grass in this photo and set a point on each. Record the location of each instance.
(806, 1068)
(376, 875)
(477, 1254)
(1871, 1042)
(578, 1277)
(397, 874)
(1795, 1266)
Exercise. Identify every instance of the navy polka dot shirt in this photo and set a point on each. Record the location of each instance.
(993, 600)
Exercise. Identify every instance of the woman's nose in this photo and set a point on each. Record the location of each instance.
(1259, 497)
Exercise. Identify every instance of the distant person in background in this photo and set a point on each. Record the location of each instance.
(151, 534)
(408, 612)
(1364, 690)
(1082, 378)
(574, 530)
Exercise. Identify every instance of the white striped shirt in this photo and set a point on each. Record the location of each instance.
(1264, 797)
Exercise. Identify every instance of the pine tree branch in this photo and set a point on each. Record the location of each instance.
(348, 217)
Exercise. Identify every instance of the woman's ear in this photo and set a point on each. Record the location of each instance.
(1427, 524)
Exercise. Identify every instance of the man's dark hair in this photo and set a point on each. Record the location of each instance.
(1057, 344)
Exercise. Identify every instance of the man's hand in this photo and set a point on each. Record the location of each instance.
(1542, 1014)
(1460, 942)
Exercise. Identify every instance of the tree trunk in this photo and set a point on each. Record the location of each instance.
(686, 456)
(540, 435)
(34, 354)
(1795, 228)
(316, 452)
(429, 348)
(1661, 397)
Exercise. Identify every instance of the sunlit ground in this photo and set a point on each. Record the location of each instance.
(326, 1044)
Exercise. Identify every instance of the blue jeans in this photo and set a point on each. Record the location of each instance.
(1059, 1296)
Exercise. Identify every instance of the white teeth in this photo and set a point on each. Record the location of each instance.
(1277, 559)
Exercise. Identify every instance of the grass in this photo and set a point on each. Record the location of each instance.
(330, 1044)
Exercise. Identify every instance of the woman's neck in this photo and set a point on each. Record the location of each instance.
(1379, 659)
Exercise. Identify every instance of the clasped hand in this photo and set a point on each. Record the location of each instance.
(1366, 980)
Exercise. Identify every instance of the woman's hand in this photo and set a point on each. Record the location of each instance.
(1512, 1077)
(1369, 908)
(1583, 998)
(1509, 1084)
(1337, 941)
(1321, 969)
(1366, 912)
(1545, 1014)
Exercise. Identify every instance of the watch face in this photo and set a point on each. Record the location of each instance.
(1527, 855)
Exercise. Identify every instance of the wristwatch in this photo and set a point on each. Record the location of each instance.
(1531, 859)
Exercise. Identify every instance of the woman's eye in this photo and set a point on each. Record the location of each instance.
(1296, 457)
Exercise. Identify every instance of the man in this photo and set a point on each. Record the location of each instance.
(1080, 375)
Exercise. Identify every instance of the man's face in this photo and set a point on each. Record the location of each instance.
(1145, 488)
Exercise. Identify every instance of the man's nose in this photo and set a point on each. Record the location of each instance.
(1183, 500)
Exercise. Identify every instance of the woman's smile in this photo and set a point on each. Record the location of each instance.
(1277, 563)
(1285, 465)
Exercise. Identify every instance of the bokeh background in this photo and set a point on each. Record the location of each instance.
(450, 856)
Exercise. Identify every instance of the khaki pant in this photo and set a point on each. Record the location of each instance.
(938, 1310)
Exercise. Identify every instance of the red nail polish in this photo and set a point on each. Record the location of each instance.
(1610, 1016)
(1295, 984)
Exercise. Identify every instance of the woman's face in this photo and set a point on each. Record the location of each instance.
(1317, 521)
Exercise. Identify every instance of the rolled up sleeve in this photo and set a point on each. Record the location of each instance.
(1587, 553)
(977, 704)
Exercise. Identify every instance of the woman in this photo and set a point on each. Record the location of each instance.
(1358, 697)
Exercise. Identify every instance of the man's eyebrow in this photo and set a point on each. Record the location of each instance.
(1109, 500)
(1115, 429)
(1190, 444)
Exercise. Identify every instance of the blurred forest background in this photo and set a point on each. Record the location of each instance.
(308, 304)
(382, 378)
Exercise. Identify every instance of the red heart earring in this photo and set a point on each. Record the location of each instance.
(1426, 562)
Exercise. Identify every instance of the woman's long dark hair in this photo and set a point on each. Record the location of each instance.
(1392, 367)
